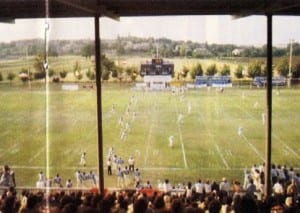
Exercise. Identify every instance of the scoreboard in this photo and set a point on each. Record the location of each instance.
(157, 66)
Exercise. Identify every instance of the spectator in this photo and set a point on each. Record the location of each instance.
(199, 189)
(214, 206)
(251, 189)
(278, 188)
(140, 206)
(7, 178)
(224, 186)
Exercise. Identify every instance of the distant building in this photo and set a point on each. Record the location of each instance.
(237, 52)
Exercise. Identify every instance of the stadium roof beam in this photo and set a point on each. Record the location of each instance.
(118, 8)
(89, 8)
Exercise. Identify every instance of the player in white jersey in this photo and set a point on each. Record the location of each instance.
(41, 180)
(120, 122)
(131, 164)
(255, 105)
(133, 116)
(240, 131)
(127, 127)
(78, 178)
(83, 159)
(69, 183)
(179, 118)
(57, 181)
(123, 135)
(92, 176)
(171, 141)
(263, 118)
(113, 109)
(189, 106)
(41, 176)
(126, 176)
(111, 152)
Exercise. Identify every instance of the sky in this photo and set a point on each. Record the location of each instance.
(249, 30)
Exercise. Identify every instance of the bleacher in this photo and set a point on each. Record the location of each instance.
(261, 81)
(213, 81)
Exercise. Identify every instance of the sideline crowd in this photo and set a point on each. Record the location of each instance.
(202, 196)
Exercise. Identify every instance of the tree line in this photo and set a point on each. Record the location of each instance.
(131, 45)
(130, 73)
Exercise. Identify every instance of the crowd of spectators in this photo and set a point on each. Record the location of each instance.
(202, 196)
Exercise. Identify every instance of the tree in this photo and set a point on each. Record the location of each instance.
(91, 75)
(120, 72)
(38, 65)
(114, 73)
(211, 70)
(239, 72)
(120, 47)
(77, 71)
(283, 67)
(296, 71)
(264, 70)
(105, 75)
(63, 74)
(225, 70)
(87, 51)
(196, 71)
(11, 76)
(51, 73)
(134, 73)
(254, 69)
(128, 72)
(184, 72)
(23, 75)
(182, 51)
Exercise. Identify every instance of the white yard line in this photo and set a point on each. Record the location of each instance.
(289, 149)
(11, 150)
(148, 142)
(222, 157)
(182, 147)
(216, 145)
(37, 154)
(181, 140)
(253, 148)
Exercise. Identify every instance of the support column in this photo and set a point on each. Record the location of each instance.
(99, 103)
(268, 145)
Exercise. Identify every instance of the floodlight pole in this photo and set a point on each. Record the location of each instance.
(268, 144)
(99, 103)
(290, 64)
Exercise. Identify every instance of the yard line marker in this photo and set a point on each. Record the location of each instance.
(222, 157)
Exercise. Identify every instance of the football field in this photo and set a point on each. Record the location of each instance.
(215, 134)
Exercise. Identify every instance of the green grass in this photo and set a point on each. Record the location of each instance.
(207, 136)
